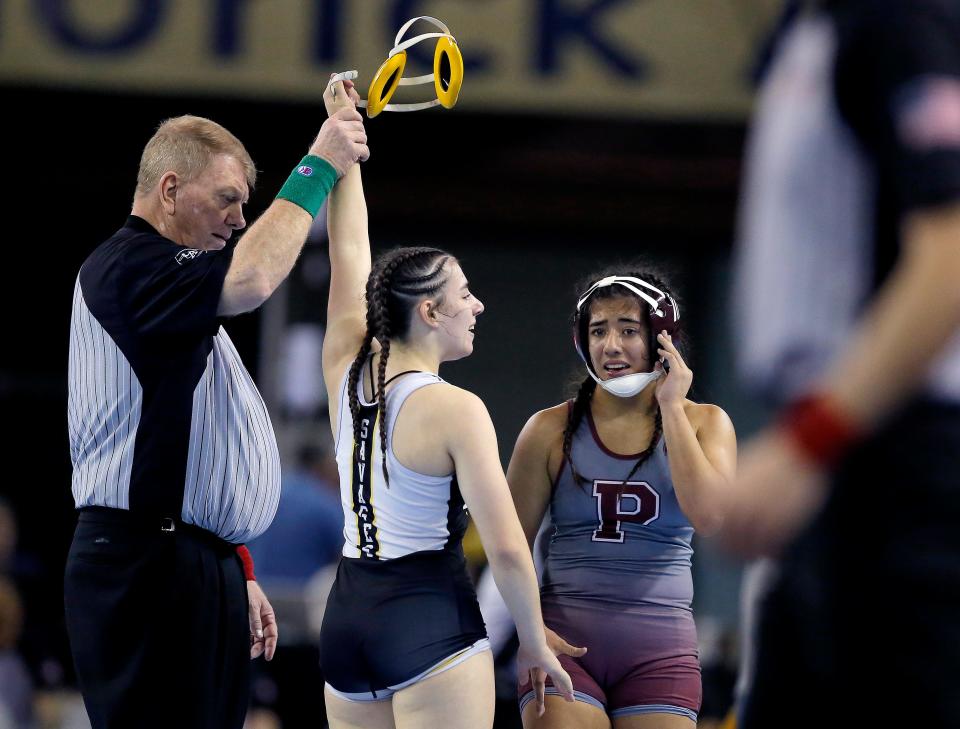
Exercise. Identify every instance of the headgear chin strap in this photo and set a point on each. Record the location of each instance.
(447, 76)
(664, 314)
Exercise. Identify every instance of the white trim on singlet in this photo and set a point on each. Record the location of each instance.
(635, 710)
(640, 709)
(451, 661)
(580, 696)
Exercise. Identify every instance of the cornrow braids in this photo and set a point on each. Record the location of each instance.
(393, 285)
(382, 405)
(357, 366)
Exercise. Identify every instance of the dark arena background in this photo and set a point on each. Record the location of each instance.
(588, 132)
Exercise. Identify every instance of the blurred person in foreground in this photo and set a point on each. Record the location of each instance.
(848, 293)
(175, 462)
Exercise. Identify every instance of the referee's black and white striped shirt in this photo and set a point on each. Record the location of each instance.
(164, 419)
(845, 142)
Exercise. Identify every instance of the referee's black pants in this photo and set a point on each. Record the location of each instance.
(862, 627)
(158, 624)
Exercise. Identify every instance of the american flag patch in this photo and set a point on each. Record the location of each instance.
(927, 113)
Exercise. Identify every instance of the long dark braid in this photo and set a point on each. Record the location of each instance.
(373, 287)
(584, 395)
(379, 320)
(654, 439)
(399, 278)
(581, 404)
(352, 380)
(575, 415)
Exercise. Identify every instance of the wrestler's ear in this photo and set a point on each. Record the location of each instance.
(427, 312)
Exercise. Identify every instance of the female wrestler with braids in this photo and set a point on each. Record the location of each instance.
(403, 643)
(630, 468)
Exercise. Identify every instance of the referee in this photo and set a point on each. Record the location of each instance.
(849, 317)
(175, 464)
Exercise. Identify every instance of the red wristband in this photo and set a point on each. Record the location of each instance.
(820, 429)
(247, 560)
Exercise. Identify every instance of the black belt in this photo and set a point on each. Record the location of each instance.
(149, 522)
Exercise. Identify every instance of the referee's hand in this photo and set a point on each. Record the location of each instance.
(263, 623)
(342, 140)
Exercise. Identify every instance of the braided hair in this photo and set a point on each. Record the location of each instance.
(398, 280)
(586, 389)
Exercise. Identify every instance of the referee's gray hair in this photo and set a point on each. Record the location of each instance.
(185, 145)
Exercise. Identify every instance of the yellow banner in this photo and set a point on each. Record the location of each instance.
(676, 58)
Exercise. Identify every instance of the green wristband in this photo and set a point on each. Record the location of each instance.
(309, 184)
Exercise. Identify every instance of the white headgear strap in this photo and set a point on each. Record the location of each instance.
(629, 282)
(633, 384)
(398, 47)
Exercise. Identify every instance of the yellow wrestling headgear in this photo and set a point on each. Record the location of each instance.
(447, 75)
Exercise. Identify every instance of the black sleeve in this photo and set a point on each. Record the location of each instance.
(898, 85)
(166, 289)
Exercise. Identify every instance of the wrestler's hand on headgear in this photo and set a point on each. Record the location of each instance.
(341, 95)
(342, 140)
(673, 387)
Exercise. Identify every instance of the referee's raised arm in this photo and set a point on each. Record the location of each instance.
(267, 252)
(175, 463)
